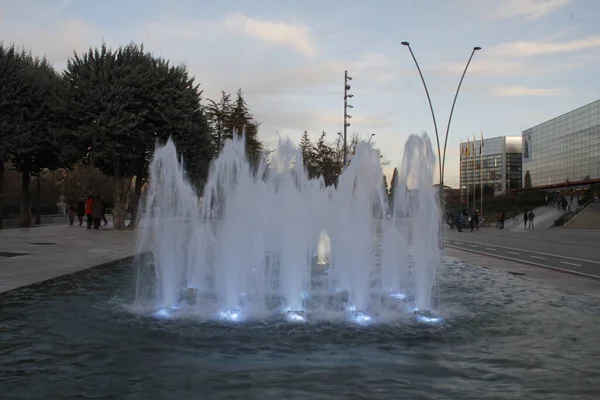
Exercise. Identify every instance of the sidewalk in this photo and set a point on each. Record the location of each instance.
(576, 284)
(30, 255)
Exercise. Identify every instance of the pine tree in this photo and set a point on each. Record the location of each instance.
(308, 155)
(218, 114)
(386, 189)
(527, 182)
(393, 188)
(242, 121)
(327, 162)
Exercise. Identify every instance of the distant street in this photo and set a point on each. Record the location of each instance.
(564, 249)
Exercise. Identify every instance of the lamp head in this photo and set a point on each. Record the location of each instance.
(405, 43)
(476, 48)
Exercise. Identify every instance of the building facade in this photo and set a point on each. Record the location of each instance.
(564, 149)
(494, 166)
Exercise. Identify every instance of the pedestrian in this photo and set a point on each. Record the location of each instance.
(97, 211)
(472, 220)
(88, 210)
(459, 219)
(80, 210)
(530, 217)
(525, 217)
(71, 210)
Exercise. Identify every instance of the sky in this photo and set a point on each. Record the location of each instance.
(539, 59)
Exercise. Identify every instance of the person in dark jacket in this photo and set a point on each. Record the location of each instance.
(97, 211)
(71, 210)
(80, 210)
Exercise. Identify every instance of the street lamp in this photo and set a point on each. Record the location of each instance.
(346, 116)
(371, 137)
(441, 156)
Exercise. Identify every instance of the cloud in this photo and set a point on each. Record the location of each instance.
(529, 9)
(295, 36)
(525, 91)
(324, 76)
(56, 43)
(499, 66)
(294, 120)
(535, 48)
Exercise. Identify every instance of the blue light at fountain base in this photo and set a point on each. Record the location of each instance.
(295, 316)
(231, 315)
(426, 317)
(165, 313)
(359, 317)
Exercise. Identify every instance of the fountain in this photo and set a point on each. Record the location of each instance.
(265, 240)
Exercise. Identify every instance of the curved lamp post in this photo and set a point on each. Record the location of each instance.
(441, 153)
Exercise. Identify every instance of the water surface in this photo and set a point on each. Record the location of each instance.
(505, 337)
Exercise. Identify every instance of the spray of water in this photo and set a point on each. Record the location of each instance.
(266, 239)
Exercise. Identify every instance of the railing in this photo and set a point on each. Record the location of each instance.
(569, 218)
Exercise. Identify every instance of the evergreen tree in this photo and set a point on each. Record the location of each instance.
(121, 102)
(327, 161)
(527, 182)
(218, 114)
(386, 189)
(393, 188)
(308, 155)
(31, 93)
(241, 121)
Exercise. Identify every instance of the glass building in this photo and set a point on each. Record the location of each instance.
(565, 149)
(497, 166)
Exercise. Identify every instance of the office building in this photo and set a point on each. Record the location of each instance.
(564, 150)
(496, 165)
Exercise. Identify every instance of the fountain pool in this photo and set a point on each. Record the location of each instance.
(504, 337)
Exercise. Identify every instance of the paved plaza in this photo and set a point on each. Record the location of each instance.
(30, 255)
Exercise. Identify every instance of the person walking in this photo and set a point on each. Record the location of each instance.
(458, 221)
(88, 210)
(72, 210)
(525, 218)
(97, 211)
(80, 210)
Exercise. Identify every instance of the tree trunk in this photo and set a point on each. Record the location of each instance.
(139, 182)
(1, 191)
(121, 202)
(25, 198)
(38, 214)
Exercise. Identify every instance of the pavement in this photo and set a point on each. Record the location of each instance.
(569, 282)
(569, 259)
(31, 255)
(567, 251)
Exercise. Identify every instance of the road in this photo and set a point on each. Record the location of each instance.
(557, 248)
